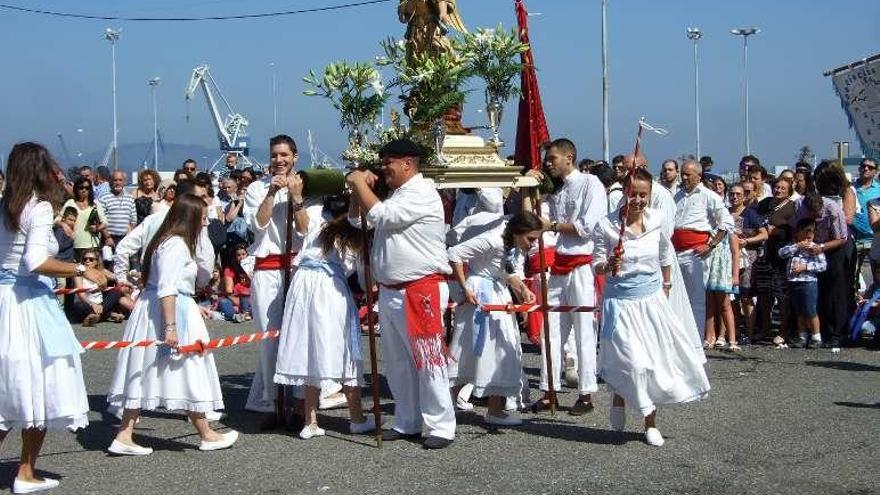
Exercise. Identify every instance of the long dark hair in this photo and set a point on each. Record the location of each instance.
(520, 223)
(30, 171)
(79, 182)
(184, 219)
(340, 234)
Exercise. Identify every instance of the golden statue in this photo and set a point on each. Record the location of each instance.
(427, 24)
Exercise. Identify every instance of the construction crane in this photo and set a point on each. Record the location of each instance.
(65, 151)
(231, 131)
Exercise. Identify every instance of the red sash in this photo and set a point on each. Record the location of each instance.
(684, 239)
(564, 264)
(534, 264)
(273, 262)
(424, 319)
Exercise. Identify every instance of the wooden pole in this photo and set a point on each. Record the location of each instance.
(280, 399)
(371, 328)
(548, 358)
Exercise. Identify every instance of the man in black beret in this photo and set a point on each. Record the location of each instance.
(410, 265)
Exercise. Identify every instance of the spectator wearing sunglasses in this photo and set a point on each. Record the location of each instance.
(90, 308)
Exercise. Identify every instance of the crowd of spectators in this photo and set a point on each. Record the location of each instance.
(102, 208)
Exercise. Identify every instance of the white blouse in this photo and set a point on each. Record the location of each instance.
(643, 253)
(33, 243)
(483, 253)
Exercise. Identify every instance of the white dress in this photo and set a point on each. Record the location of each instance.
(645, 354)
(151, 377)
(485, 347)
(38, 387)
(320, 331)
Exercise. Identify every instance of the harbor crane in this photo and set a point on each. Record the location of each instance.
(231, 131)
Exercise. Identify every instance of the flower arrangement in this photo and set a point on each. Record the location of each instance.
(429, 85)
(356, 90)
(493, 55)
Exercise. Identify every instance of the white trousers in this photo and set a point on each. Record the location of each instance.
(267, 297)
(574, 289)
(694, 273)
(421, 396)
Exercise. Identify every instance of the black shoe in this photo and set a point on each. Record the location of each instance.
(814, 344)
(434, 443)
(392, 435)
(832, 343)
(798, 343)
(580, 408)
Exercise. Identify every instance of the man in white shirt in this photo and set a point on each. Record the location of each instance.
(701, 222)
(266, 213)
(669, 175)
(410, 265)
(472, 201)
(574, 210)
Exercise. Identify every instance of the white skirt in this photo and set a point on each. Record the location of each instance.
(151, 378)
(497, 371)
(36, 391)
(315, 343)
(647, 357)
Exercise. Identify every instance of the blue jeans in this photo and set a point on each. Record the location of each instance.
(227, 308)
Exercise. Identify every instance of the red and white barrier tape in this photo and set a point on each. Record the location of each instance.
(196, 347)
(531, 308)
(64, 292)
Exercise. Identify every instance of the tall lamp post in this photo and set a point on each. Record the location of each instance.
(154, 83)
(745, 33)
(695, 34)
(112, 35)
(606, 151)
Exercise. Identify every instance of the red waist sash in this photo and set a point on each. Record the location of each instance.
(563, 264)
(424, 319)
(534, 264)
(684, 239)
(273, 262)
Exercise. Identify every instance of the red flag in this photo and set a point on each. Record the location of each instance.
(531, 127)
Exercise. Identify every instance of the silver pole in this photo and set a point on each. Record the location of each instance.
(745, 33)
(695, 34)
(606, 151)
(154, 82)
(115, 126)
(746, 91)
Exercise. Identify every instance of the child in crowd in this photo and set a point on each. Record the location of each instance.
(236, 284)
(806, 261)
(63, 232)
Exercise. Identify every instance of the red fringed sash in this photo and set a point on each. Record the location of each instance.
(273, 262)
(683, 239)
(424, 319)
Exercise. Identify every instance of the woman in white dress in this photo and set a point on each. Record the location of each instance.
(41, 381)
(321, 331)
(485, 348)
(645, 355)
(156, 377)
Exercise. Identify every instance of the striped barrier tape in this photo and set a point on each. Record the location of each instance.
(196, 347)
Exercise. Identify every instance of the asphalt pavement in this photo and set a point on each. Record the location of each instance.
(776, 421)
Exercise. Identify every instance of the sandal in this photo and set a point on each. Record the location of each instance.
(733, 347)
(720, 343)
(708, 345)
(542, 404)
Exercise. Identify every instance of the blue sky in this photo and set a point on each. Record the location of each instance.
(57, 71)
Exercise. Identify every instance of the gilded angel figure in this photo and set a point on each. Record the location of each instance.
(427, 22)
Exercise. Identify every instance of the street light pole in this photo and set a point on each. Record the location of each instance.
(695, 34)
(745, 33)
(112, 35)
(606, 151)
(274, 100)
(154, 83)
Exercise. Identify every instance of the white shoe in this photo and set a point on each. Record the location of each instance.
(506, 420)
(21, 486)
(463, 405)
(653, 437)
(359, 428)
(228, 439)
(120, 448)
(214, 415)
(618, 418)
(311, 431)
(333, 401)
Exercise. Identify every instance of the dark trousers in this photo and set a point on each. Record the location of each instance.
(835, 297)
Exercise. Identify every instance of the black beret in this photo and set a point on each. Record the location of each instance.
(400, 147)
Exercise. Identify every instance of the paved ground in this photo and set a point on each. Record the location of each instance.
(790, 421)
